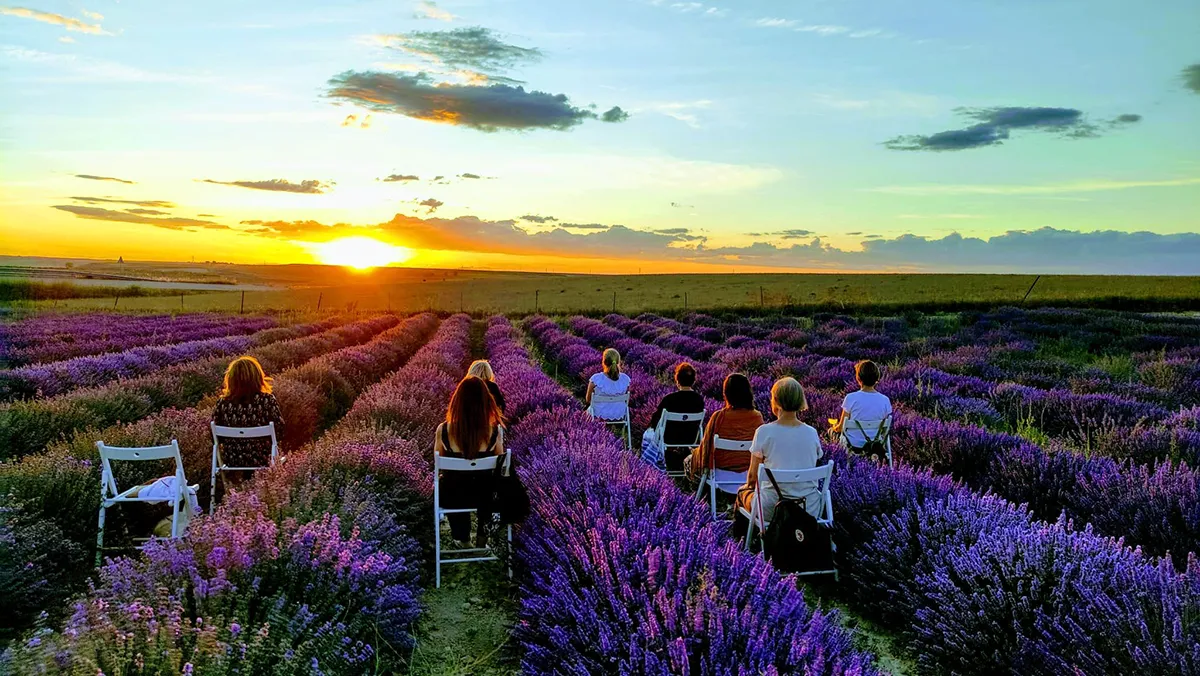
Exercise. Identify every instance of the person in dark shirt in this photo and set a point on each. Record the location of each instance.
(683, 400)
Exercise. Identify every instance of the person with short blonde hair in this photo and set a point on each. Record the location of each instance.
(609, 382)
(482, 369)
(246, 401)
(786, 443)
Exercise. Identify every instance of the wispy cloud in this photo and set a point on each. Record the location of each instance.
(354, 121)
(311, 187)
(995, 125)
(684, 111)
(429, 10)
(150, 212)
(532, 218)
(94, 16)
(822, 29)
(1096, 185)
(171, 223)
(103, 178)
(155, 204)
(66, 22)
(399, 178)
(488, 108)
(475, 49)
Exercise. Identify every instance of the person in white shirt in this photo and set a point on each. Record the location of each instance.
(608, 382)
(786, 443)
(865, 404)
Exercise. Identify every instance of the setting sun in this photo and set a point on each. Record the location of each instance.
(360, 253)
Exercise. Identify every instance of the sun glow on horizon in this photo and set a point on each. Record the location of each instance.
(360, 253)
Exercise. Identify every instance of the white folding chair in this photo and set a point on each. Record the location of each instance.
(661, 433)
(218, 465)
(819, 475)
(623, 422)
(723, 480)
(111, 495)
(468, 555)
(870, 429)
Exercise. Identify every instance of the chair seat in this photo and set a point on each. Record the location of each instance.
(728, 481)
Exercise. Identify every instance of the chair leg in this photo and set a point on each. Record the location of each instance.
(749, 531)
(437, 548)
(700, 487)
(712, 498)
(100, 536)
(212, 494)
(510, 549)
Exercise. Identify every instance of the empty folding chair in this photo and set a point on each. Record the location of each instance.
(218, 465)
(623, 422)
(111, 495)
(661, 433)
(819, 476)
(471, 554)
(723, 480)
(856, 433)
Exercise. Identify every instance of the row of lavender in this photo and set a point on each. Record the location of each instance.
(622, 574)
(50, 499)
(47, 338)
(310, 570)
(977, 583)
(29, 426)
(1155, 506)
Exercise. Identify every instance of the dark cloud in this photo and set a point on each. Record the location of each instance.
(157, 204)
(488, 108)
(1191, 77)
(394, 178)
(614, 114)
(678, 205)
(310, 187)
(468, 175)
(475, 49)
(206, 215)
(994, 126)
(538, 219)
(437, 178)
(431, 203)
(149, 212)
(103, 178)
(172, 223)
(853, 234)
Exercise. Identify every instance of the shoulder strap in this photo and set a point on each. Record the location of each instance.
(774, 484)
(878, 431)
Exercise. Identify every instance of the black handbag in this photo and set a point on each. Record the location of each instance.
(510, 499)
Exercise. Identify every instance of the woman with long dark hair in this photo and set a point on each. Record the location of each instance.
(474, 428)
(737, 421)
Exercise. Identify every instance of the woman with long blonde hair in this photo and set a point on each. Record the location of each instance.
(246, 401)
(482, 369)
(609, 382)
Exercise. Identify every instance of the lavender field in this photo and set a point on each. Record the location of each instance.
(1043, 516)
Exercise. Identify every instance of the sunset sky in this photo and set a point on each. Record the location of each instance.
(941, 135)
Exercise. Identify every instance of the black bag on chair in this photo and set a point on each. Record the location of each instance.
(795, 542)
(511, 500)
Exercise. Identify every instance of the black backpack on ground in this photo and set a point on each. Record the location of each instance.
(795, 542)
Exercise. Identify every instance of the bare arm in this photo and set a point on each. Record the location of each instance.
(498, 447)
(752, 473)
(587, 398)
(841, 423)
(438, 447)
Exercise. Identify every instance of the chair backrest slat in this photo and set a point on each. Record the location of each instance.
(220, 431)
(123, 454)
(598, 398)
(682, 417)
(731, 445)
(482, 464)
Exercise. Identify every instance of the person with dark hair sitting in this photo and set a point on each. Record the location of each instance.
(683, 400)
(737, 421)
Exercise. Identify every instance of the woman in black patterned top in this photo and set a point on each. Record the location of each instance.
(247, 401)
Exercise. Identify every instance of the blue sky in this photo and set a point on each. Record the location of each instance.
(833, 134)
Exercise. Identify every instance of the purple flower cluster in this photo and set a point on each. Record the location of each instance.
(627, 575)
(56, 337)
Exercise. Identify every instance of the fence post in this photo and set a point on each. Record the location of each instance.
(614, 301)
(761, 301)
(320, 297)
(537, 305)
(1035, 281)
(181, 301)
(242, 311)
(460, 300)
(685, 300)
(117, 298)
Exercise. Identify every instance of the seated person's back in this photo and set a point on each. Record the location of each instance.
(864, 405)
(787, 444)
(609, 382)
(683, 400)
(737, 421)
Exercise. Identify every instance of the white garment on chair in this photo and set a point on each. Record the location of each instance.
(863, 406)
(163, 489)
(602, 384)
